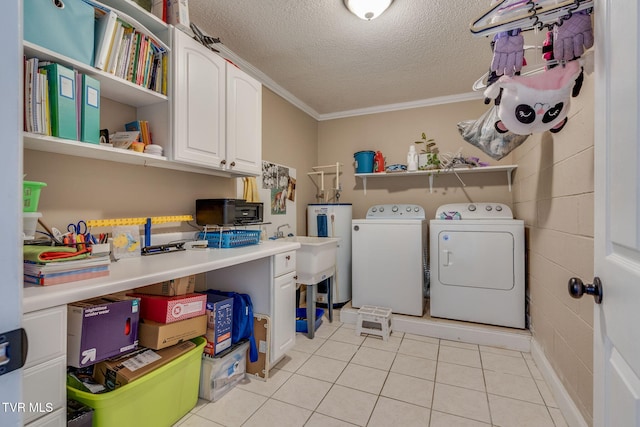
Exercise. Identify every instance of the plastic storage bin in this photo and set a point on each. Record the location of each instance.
(364, 161)
(31, 195)
(231, 238)
(220, 374)
(301, 319)
(158, 399)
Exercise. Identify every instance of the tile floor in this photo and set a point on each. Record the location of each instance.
(340, 379)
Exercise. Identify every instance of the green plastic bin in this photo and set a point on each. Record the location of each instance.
(157, 399)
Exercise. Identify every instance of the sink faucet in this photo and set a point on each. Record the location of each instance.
(280, 234)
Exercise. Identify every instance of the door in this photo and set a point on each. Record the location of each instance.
(198, 103)
(617, 214)
(244, 122)
(283, 315)
(11, 206)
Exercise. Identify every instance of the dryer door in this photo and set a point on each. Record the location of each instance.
(477, 259)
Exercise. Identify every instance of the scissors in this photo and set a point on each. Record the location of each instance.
(80, 233)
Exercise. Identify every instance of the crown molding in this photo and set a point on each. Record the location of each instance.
(289, 97)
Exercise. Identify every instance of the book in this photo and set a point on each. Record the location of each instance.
(105, 28)
(66, 277)
(134, 127)
(115, 48)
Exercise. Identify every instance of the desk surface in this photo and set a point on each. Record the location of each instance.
(131, 273)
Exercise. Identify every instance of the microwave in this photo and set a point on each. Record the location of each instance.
(228, 212)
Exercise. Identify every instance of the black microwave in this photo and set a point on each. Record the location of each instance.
(228, 212)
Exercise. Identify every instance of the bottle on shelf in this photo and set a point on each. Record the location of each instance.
(412, 159)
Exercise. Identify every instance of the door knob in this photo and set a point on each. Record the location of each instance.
(577, 289)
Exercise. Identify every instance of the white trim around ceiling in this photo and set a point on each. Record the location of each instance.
(288, 96)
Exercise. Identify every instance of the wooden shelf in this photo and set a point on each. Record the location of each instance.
(434, 172)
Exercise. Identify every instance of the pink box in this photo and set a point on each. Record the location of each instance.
(164, 309)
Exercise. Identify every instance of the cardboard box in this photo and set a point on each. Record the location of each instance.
(220, 374)
(178, 14)
(219, 323)
(170, 288)
(100, 328)
(160, 335)
(116, 372)
(171, 309)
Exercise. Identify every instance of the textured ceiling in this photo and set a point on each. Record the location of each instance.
(333, 62)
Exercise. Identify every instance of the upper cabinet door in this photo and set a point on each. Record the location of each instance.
(198, 103)
(244, 122)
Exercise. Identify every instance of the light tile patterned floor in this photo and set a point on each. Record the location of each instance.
(339, 379)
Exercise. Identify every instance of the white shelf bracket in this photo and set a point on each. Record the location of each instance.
(364, 184)
(430, 183)
(509, 178)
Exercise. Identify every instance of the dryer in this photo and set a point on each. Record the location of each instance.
(477, 264)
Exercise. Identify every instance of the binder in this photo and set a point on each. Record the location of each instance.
(90, 114)
(62, 101)
(104, 35)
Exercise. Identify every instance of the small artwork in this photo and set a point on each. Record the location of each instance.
(291, 189)
(269, 175)
(278, 201)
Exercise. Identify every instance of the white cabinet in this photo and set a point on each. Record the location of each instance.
(271, 284)
(244, 122)
(217, 110)
(45, 368)
(283, 330)
(198, 103)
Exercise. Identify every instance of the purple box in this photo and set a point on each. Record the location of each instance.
(219, 323)
(100, 328)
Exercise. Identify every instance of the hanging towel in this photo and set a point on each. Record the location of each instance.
(250, 189)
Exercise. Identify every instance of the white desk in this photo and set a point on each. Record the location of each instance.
(45, 312)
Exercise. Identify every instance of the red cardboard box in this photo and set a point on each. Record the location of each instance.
(171, 309)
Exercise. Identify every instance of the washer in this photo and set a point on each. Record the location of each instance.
(477, 264)
(388, 252)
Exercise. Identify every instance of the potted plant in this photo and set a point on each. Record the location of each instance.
(428, 157)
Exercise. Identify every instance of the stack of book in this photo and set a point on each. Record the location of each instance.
(56, 272)
(127, 50)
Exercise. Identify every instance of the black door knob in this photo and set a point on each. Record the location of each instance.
(577, 289)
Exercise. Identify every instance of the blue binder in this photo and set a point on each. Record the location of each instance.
(63, 26)
(90, 110)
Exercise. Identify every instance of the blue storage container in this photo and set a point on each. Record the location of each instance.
(63, 26)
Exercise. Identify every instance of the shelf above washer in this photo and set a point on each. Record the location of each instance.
(431, 173)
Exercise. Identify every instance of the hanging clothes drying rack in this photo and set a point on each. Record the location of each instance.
(321, 195)
(526, 15)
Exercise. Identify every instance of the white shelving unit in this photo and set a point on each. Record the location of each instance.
(508, 169)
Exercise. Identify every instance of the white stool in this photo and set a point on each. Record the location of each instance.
(373, 314)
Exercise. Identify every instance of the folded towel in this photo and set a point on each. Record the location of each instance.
(36, 253)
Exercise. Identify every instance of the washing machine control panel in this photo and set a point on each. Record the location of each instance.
(396, 211)
(474, 211)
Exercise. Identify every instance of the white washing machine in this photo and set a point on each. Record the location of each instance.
(477, 264)
(388, 252)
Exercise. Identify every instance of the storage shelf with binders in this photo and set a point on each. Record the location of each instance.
(149, 105)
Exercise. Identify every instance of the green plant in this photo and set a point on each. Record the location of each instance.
(430, 151)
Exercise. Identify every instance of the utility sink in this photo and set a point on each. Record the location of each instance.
(316, 258)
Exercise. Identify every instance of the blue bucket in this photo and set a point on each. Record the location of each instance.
(364, 161)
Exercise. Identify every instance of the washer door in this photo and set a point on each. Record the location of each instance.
(477, 259)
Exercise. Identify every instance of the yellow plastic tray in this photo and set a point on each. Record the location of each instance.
(158, 399)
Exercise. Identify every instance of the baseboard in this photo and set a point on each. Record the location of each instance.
(459, 331)
(570, 411)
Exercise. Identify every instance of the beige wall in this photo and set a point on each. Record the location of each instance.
(392, 133)
(290, 137)
(553, 193)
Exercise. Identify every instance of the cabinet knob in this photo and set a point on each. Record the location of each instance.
(232, 164)
(223, 162)
(577, 288)
(288, 257)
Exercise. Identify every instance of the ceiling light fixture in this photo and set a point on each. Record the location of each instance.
(367, 9)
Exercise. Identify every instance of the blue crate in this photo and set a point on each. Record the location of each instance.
(301, 319)
(231, 238)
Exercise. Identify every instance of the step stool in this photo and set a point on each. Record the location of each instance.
(373, 314)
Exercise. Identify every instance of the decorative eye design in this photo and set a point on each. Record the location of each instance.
(552, 113)
(525, 114)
